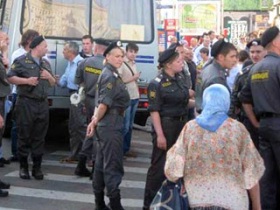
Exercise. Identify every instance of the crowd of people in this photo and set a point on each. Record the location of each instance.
(214, 109)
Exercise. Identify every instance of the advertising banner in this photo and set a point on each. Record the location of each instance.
(197, 17)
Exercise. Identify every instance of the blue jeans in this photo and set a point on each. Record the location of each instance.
(128, 123)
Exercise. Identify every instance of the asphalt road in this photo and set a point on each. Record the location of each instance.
(61, 189)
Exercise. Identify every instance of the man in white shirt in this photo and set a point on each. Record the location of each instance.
(130, 75)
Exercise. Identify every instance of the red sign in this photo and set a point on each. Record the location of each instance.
(170, 24)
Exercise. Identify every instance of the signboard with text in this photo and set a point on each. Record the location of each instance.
(237, 28)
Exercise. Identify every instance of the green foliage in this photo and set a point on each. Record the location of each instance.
(247, 4)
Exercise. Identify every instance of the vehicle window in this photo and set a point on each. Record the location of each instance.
(123, 20)
(5, 11)
(57, 18)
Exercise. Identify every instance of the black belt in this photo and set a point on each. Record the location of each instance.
(178, 118)
(116, 111)
(34, 99)
(71, 91)
(269, 115)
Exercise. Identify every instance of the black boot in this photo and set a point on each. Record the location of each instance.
(115, 203)
(3, 193)
(99, 202)
(36, 170)
(23, 171)
(4, 185)
(81, 169)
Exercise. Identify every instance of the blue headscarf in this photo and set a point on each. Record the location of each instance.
(215, 106)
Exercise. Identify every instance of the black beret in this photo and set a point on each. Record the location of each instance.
(217, 47)
(254, 42)
(112, 45)
(36, 41)
(177, 44)
(102, 42)
(167, 54)
(269, 35)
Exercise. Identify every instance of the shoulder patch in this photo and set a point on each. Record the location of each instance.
(109, 86)
(152, 94)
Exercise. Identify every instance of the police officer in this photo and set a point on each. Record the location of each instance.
(263, 90)
(112, 99)
(33, 76)
(215, 71)
(87, 75)
(168, 96)
(256, 52)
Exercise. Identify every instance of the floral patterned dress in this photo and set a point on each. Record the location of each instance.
(218, 167)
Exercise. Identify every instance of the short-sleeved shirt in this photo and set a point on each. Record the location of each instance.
(168, 95)
(127, 70)
(111, 90)
(88, 72)
(25, 66)
(263, 85)
(213, 73)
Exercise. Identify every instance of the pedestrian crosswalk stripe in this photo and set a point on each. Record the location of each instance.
(5, 208)
(81, 180)
(136, 150)
(137, 142)
(138, 159)
(67, 196)
(126, 168)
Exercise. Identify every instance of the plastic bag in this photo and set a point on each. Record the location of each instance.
(169, 197)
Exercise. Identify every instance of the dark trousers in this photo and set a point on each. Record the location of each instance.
(32, 118)
(77, 129)
(155, 176)
(254, 132)
(270, 152)
(14, 135)
(2, 113)
(108, 168)
(89, 144)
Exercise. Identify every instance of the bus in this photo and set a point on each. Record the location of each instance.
(64, 20)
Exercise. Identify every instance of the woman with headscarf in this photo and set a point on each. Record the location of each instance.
(216, 158)
(168, 96)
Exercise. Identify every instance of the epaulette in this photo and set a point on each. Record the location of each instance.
(20, 57)
(158, 78)
(44, 60)
(247, 69)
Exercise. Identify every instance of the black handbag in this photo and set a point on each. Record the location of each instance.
(169, 197)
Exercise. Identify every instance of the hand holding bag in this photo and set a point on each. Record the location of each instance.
(169, 197)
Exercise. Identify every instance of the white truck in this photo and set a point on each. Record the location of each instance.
(61, 20)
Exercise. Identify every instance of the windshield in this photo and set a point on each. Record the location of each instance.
(124, 20)
(128, 20)
(57, 18)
